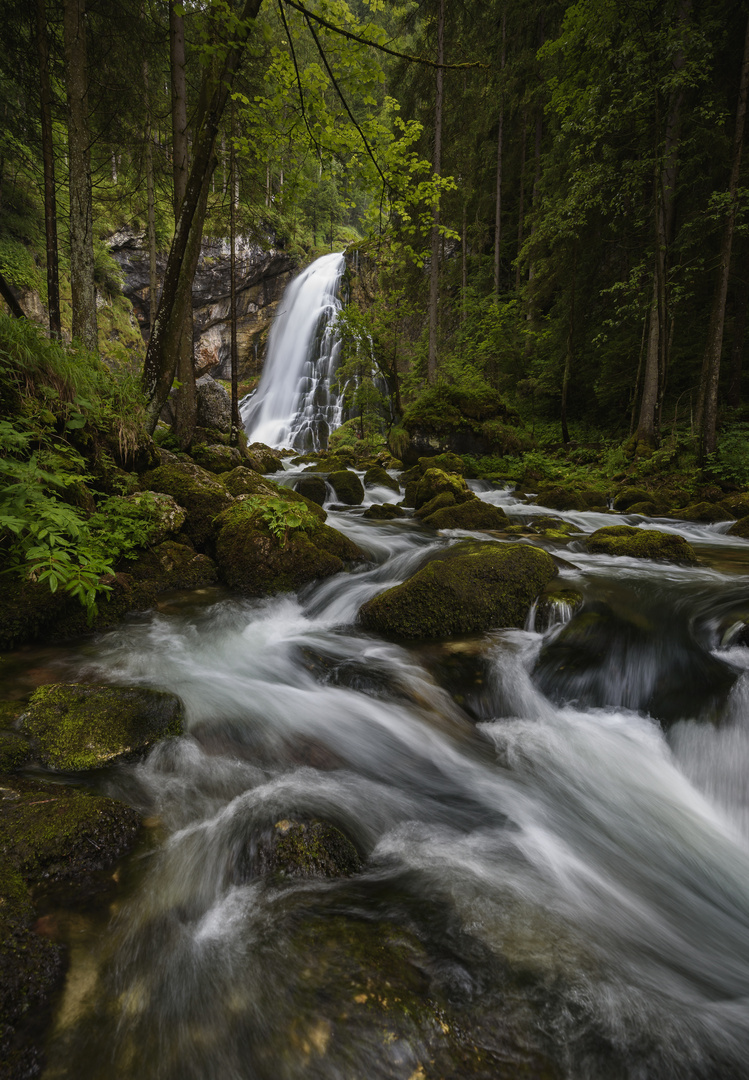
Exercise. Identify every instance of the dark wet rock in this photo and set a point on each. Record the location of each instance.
(172, 565)
(740, 528)
(378, 477)
(383, 512)
(214, 404)
(556, 606)
(737, 505)
(309, 850)
(559, 498)
(474, 514)
(630, 660)
(201, 494)
(79, 726)
(27, 610)
(216, 458)
(245, 480)
(347, 486)
(255, 560)
(48, 834)
(468, 588)
(646, 509)
(554, 525)
(702, 511)
(313, 488)
(641, 544)
(14, 751)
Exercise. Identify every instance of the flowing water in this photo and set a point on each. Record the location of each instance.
(556, 838)
(298, 403)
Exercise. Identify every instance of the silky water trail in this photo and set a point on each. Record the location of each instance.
(554, 827)
(298, 401)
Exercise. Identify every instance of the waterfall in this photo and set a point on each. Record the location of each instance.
(295, 403)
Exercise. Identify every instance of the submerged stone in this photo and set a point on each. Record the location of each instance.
(79, 726)
(641, 544)
(383, 512)
(309, 850)
(471, 587)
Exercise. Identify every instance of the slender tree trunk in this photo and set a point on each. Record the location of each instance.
(81, 211)
(185, 400)
(176, 295)
(153, 288)
(569, 353)
(714, 346)
(737, 349)
(500, 148)
(48, 162)
(464, 264)
(521, 197)
(234, 437)
(434, 278)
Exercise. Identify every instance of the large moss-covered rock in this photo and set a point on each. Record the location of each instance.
(313, 488)
(705, 512)
(379, 477)
(630, 495)
(434, 482)
(640, 544)
(201, 494)
(740, 528)
(472, 514)
(171, 565)
(256, 561)
(383, 512)
(14, 751)
(559, 498)
(347, 486)
(312, 849)
(263, 459)
(216, 458)
(471, 587)
(79, 726)
(737, 505)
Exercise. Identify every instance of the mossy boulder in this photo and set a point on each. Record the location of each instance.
(383, 512)
(472, 514)
(557, 606)
(78, 726)
(645, 509)
(548, 523)
(216, 458)
(740, 529)
(705, 512)
(445, 498)
(737, 505)
(469, 588)
(629, 495)
(347, 486)
(435, 482)
(378, 477)
(160, 514)
(14, 751)
(313, 488)
(312, 849)
(559, 498)
(450, 463)
(263, 459)
(171, 565)
(201, 494)
(246, 481)
(641, 544)
(253, 559)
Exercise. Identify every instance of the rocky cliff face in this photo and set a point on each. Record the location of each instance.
(262, 276)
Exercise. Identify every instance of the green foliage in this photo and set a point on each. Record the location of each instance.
(17, 265)
(282, 516)
(730, 462)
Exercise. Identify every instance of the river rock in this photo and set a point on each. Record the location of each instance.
(264, 459)
(198, 491)
(559, 498)
(473, 514)
(78, 726)
(347, 486)
(378, 477)
(435, 482)
(313, 488)
(214, 404)
(383, 512)
(641, 544)
(703, 512)
(740, 528)
(255, 560)
(630, 495)
(469, 588)
(216, 457)
(309, 850)
(171, 565)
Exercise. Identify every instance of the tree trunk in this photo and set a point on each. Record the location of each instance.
(500, 148)
(569, 352)
(234, 437)
(176, 295)
(48, 162)
(714, 347)
(153, 289)
(81, 211)
(521, 198)
(737, 348)
(185, 399)
(434, 280)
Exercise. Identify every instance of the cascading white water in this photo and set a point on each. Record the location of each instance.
(296, 403)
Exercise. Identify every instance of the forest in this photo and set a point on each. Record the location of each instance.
(374, 508)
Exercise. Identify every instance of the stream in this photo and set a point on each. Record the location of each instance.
(556, 837)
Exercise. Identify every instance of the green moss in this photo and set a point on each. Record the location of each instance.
(80, 726)
(378, 477)
(383, 512)
(555, 603)
(473, 514)
(737, 505)
(263, 459)
(703, 511)
(559, 498)
(740, 529)
(445, 498)
(435, 482)
(313, 488)
(14, 751)
(171, 565)
(195, 489)
(629, 495)
(347, 486)
(641, 544)
(215, 458)
(310, 850)
(448, 462)
(471, 587)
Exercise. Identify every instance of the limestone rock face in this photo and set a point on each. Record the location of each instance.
(470, 588)
(214, 404)
(79, 726)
